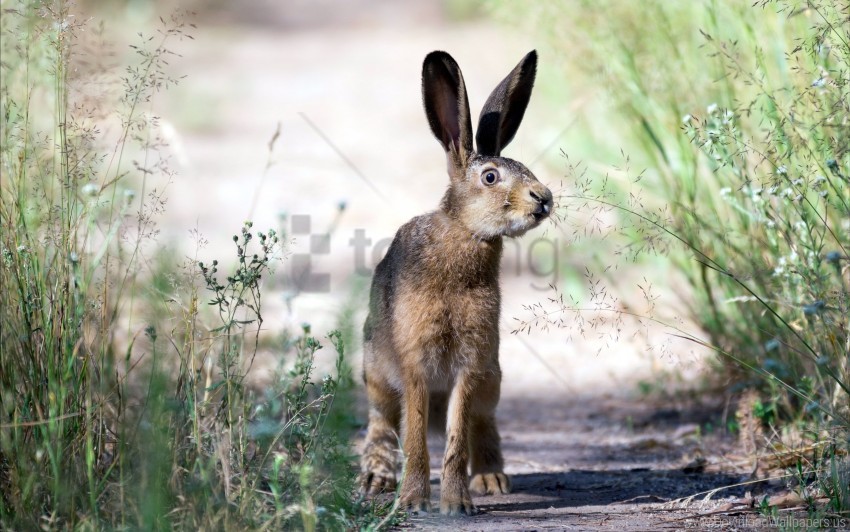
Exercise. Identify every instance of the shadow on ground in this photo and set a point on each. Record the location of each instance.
(602, 488)
(601, 463)
(632, 499)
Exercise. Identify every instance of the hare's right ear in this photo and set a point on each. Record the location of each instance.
(505, 107)
(446, 105)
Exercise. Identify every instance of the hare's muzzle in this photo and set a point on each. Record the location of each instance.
(543, 199)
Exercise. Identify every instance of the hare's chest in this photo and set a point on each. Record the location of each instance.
(448, 330)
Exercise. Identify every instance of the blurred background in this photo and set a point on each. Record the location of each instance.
(312, 111)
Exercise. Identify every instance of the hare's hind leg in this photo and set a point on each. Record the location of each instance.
(380, 453)
(485, 450)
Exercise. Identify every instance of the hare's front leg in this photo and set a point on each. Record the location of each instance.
(488, 476)
(381, 450)
(454, 496)
(415, 486)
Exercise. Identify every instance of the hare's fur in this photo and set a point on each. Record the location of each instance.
(431, 339)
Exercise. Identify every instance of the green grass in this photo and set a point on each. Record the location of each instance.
(107, 423)
(740, 115)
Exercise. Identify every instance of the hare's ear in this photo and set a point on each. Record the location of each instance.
(446, 105)
(502, 114)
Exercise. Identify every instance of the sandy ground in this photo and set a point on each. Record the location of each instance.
(604, 463)
(344, 88)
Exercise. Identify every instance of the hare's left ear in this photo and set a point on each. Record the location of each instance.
(503, 112)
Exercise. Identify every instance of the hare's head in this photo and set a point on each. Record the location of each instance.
(490, 195)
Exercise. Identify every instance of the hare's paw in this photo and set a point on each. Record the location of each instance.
(455, 499)
(377, 470)
(415, 504)
(415, 495)
(490, 483)
(374, 482)
(461, 506)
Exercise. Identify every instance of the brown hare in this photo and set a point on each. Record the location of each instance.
(432, 334)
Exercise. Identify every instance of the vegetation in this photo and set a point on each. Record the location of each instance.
(157, 430)
(741, 115)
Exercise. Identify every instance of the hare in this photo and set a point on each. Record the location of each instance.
(432, 332)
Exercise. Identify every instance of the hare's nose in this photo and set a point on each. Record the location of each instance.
(543, 199)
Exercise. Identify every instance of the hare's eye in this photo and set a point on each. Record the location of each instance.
(490, 177)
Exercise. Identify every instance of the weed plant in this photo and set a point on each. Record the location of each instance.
(741, 114)
(154, 428)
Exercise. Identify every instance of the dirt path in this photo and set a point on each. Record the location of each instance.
(598, 463)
